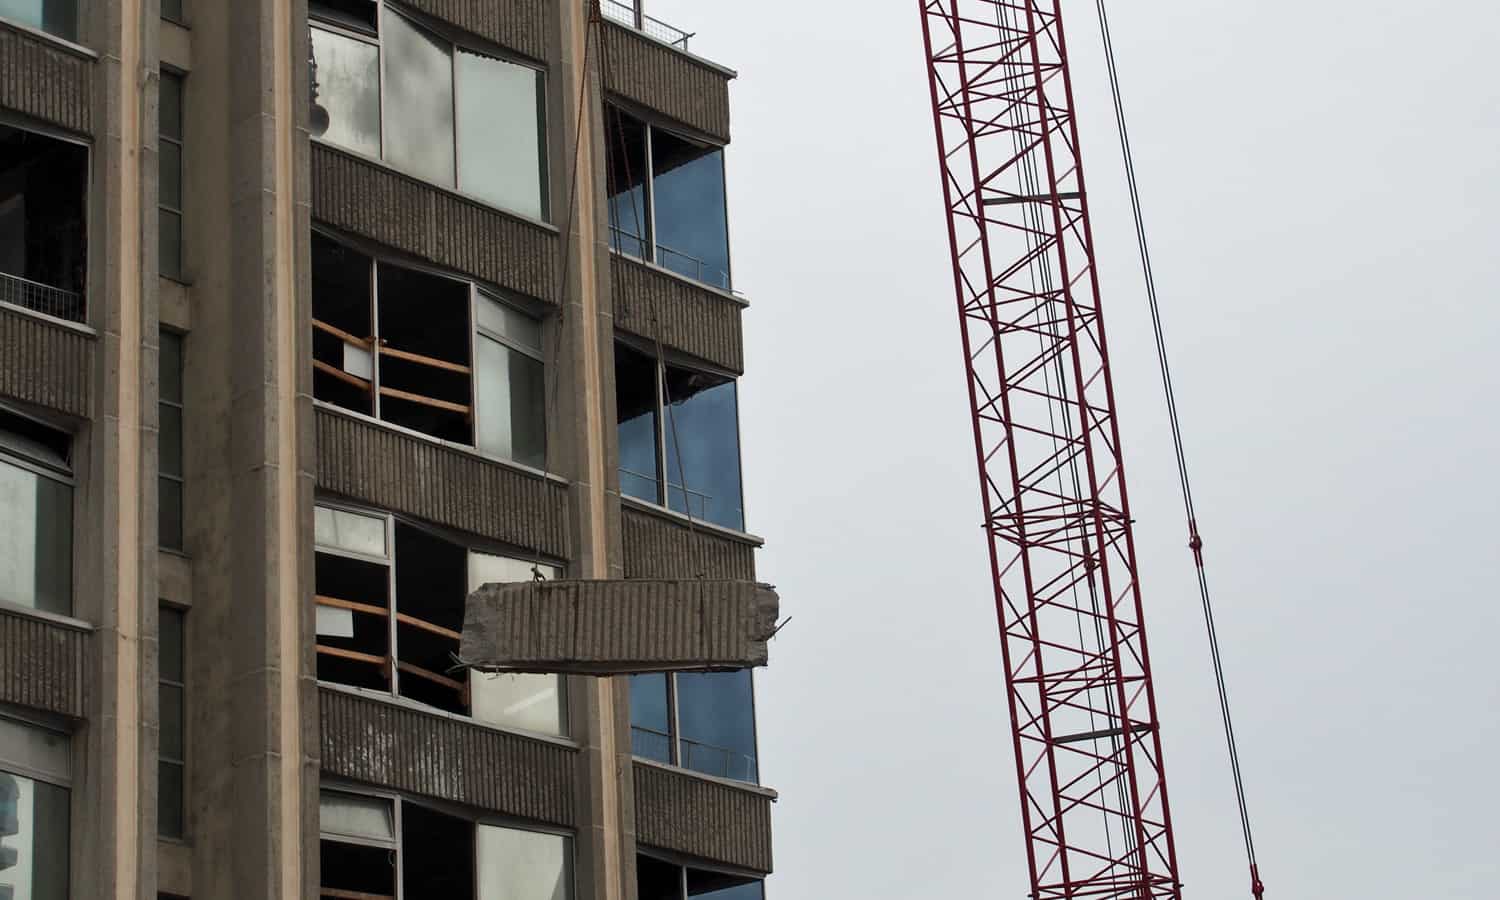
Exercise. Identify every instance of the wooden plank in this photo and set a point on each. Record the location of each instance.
(341, 375)
(415, 622)
(434, 362)
(341, 894)
(341, 334)
(352, 655)
(425, 401)
(368, 609)
(433, 677)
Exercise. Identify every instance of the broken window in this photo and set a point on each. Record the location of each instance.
(704, 721)
(406, 357)
(667, 199)
(59, 17)
(390, 612)
(679, 438)
(36, 504)
(169, 192)
(660, 880)
(35, 774)
(385, 847)
(453, 115)
(43, 187)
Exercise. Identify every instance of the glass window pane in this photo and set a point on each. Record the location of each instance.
(169, 513)
(169, 799)
(169, 248)
(171, 649)
(170, 107)
(169, 443)
(418, 100)
(650, 717)
(492, 394)
(351, 531)
(41, 751)
(522, 865)
(36, 546)
(170, 166)
(716, 723)
(692, 226)
(528, 417)
(59, 17)
(710, 886)
(629, 215)
(172, 742)
(636, 410)
(172, 9)
(170, 363)
(703, 448)
(505, 322)
(533, 702)
(348, 82)
(39, 839)
(500, 133)
(351, 815)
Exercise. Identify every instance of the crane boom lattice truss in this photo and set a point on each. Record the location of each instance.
(1088, 750)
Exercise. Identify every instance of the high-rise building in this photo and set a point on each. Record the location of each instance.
(314, 316)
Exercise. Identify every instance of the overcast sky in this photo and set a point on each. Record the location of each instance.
(1321, 180)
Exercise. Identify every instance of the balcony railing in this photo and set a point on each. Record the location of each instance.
(41, 298)
(628, 13)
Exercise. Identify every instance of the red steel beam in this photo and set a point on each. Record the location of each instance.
(1062, 558)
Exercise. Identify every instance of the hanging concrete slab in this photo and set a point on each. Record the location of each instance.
(619, 627)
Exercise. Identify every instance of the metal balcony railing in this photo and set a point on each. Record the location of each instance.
(41, 298)
(629, 13)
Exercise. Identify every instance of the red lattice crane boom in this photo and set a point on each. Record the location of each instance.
(1062, 557)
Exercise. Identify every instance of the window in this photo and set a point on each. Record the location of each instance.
(450, 114)
(43, 182)
(59, 17)
(169, 158)
(172, 707)
(169, 480)
(172, 10)
(659, 880)
(413, 358)
(391, 597)
(36, 504)
(370, 845)
(35, 768)
(666, 200)
(679, 438)
(704, 721)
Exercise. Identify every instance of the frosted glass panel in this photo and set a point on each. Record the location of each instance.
(351, 815)
(500, 133)
(527, 701)
(349, 531)
(522, 865)
(418, 100)
(349, 88)
(36, 544)
(492, 385)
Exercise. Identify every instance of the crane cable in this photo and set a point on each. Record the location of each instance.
(1195, 541)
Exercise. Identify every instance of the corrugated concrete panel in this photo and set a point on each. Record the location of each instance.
(403, 473)
(660, 78)
(386, 744)
(519, 25)
(703, 818)
(619, 627)
(44, 362)
(43, 664)
(696, 320)
(409, 215)
(45, 80)
(657, 545)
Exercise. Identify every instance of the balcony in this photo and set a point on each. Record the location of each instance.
(630, 14)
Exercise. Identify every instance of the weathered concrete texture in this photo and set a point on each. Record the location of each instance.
(675, 84)
(433, 755)
(43, 665)
(365, 461)
(705, 818)
(683, 316)
(44, 362)
(46, 80)
(406, 214)
(659, 545)
(619, 627)
(519, 25)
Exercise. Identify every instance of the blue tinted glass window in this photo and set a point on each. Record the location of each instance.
(650, 717)
(716, 724)
(692, 230)
(636, 409)
(701, 884)
(703, 448)
(629, 216)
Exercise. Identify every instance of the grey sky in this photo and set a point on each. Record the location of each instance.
(1320, 180)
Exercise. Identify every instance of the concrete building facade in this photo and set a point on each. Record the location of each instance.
(315, 315)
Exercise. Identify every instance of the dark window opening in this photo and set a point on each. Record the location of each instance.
(629, 212)
(359, 15)
(425, 332)
(343, 332)
(172, 710)
(431, 588)
(639, 430)
(353, 622)
(437, 854)
(43, 186)
(703, 721)
(357, 869)
(659, 880)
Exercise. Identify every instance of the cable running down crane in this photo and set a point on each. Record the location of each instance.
(1087, 743)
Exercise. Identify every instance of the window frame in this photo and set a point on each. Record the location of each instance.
(393, 659)
(675, 738)
(45, 469)
(180, 143)
(180, 405)
(161, 757)
(61, 781)
(456, 39)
